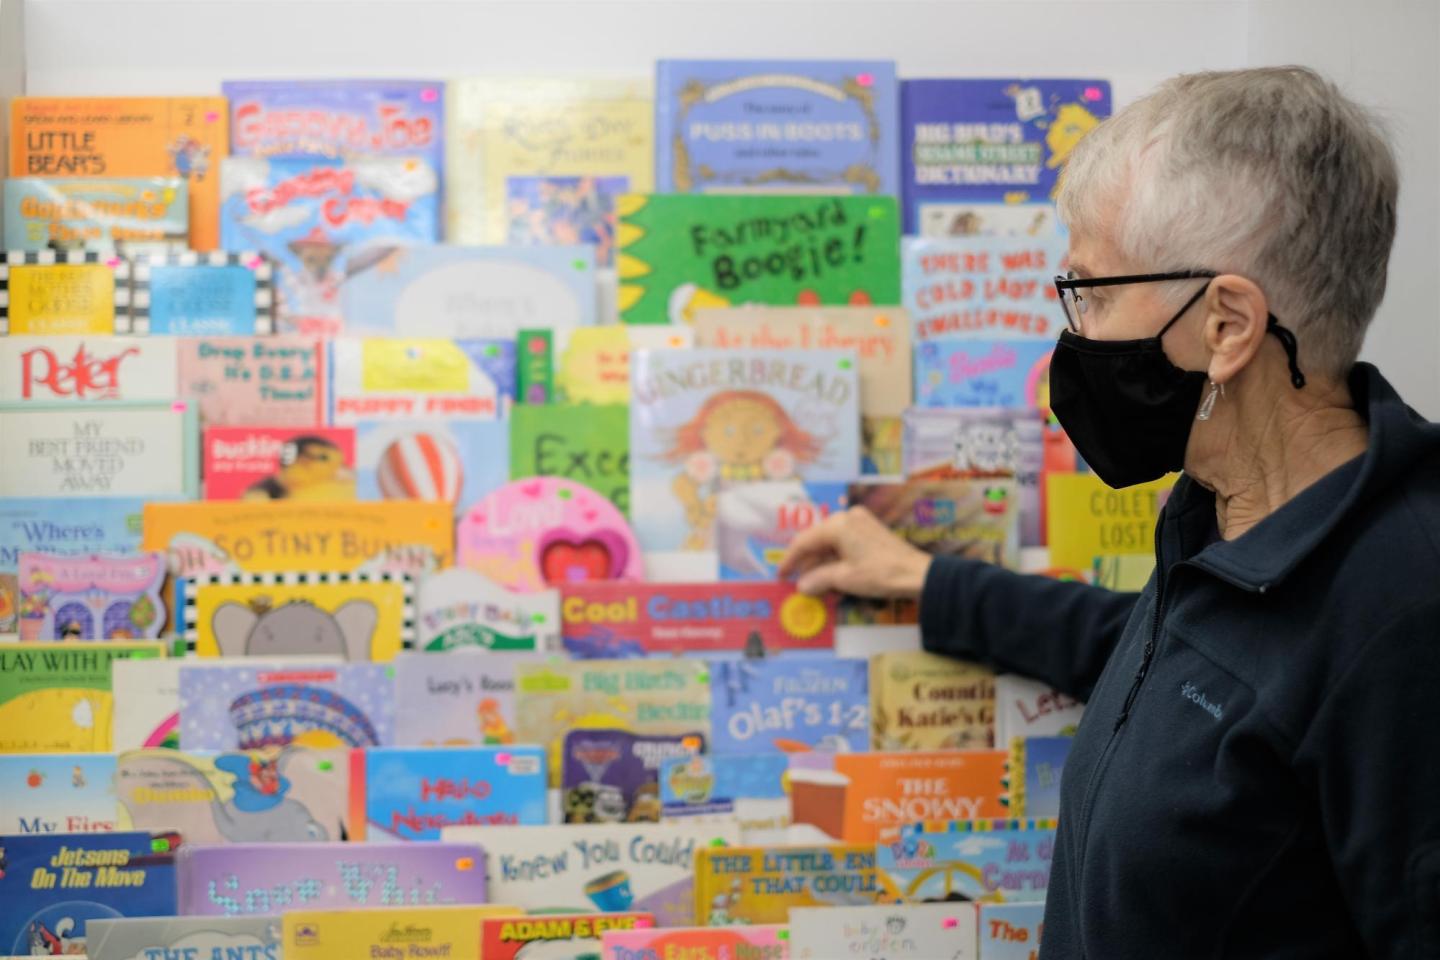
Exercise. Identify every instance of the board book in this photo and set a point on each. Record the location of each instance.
(270, 463)
(591, 365)
(63, 293)
(1027, 708)
(87, 369)
(220, 293)
(983, 287)
(559, 936)
(461, 697)
(613, 776)
(749, 789)
(388, 932)
(1037, 765)
(790, 704)
(454, 460)
(757, 942)
(462, 609)
(587, 444)
(186, 938)
(1011, 931)
(1088, 519)
(983, 373)
(130, 216)
(55, 697)
(977, 518)
(94, 597)
(254, 381)
(400, 793)
(999, 861)
(922, 701)
(387, 378)
(57, 793)
(759, 885)
(756, 522)
(893, 931)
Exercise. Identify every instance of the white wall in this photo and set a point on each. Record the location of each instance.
(12, 72)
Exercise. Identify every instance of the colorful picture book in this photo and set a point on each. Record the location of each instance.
(608, 621)
(759, 885)
(377, 932)
(1027, 708)
(748, 789)
(63, 293)
(1001, 861)
(977, 518)
(412, 793)
(923, 701)
(471, 292)
(52, 887)
(94, 597)
(1011, 931)
(182, 137)
(606, 868)
(243, 707)
(776, 126)
(790, 704)
(379, 378)
(208, 938)
(561, 936)
(738, 250)
(55, 697)
(1125, 572)
(587, 444)
(87, 369)
(613, 776)
(756, 522)
(893, 931)
(248, 879)
(457, 461)
(269, 463)
(1088, 519)
(291, 795)
(131, 216)
(211, 294)
(57, 793)
(983, 287)
(1036, 766)
(254, 381)
(592, 364)
(703, 419)
(983, 373)
(991, 141)
(759, 942)
(465, 697)
(462, 609)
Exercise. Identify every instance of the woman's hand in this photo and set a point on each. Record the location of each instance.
(854, 553)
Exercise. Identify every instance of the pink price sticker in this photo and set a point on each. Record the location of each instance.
(1092, 93)
(112, 262)
(949, 923)
(865, 79)
(429, 95)
(212, 116)
(254, 261)
(503, 759)
(643, 923)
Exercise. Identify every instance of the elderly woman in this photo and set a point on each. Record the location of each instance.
(1258, 770)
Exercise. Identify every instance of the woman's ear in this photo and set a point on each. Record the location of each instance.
(1235, 322)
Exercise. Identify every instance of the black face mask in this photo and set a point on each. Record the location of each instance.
(1126, 407)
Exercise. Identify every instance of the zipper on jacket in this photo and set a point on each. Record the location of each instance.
(1149, 652)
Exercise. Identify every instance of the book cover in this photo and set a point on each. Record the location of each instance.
(383, 378)
(52, 887)
(776, 126)
(1027, 708)
(149, 450)
(279, 463)
(188, 938)
(609, 621)
(756, 522)
(461, 698)
(55, 697)
(290, 795)
(457, 461)
(182, 137)
(243, 707)
(323, 221)
(759, 942)
(748, 789)
(463, 609)
(738, 886)
(68, 527)
(1011, 931)
(598, 867)
(592, 364)
(547, 531)
(965, 517)
(88, 369)
(284, 536)
(988, 140)
(1125, 572)
(359, 616)
(790, 704)
(587, 444)
(57, 793)
(131, 216)
(930, 931)
(1088, 519)
(574, 936)
(63, 293)
(738, 250)
(871, 796)
(249, 879)
(535, 366)
(704, 419)
(993, 861)
(613, 776)
(969, 288)
(254, 381)
(412, 793)
(540, 160)
(388, 932)
(471, 292)
(91, 597)
(1036, 766)
(983, 373)
(922, 701)
(211, 294)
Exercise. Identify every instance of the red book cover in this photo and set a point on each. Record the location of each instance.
(279, 463)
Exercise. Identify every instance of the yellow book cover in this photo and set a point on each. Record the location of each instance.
(592, 364)
(754, 885)
(55, 697)
(922, 701)
(541, 160)
(1087, 519)
(390, 933)
(64, 293)
(358, 619)
(182, 137)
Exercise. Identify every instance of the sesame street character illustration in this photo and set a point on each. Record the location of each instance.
(735, 437)
(311, 468)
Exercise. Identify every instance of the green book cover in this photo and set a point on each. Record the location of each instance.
(588, 444)
(55, 697)
(534, 379)
(680, 253)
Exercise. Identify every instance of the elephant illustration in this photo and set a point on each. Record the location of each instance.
(297, 628)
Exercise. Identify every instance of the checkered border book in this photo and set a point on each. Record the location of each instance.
(138, 319)
(47, 258)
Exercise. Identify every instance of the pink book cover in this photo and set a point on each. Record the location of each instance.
(95, 597)
(756, 942)
(254, 381)
(279, 463)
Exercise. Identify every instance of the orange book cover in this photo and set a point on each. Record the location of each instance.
(128, 137)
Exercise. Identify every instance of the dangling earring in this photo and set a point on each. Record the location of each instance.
(1208, 405)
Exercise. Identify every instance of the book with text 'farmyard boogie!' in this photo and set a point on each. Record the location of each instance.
(389, 932)
(55, 697)
(794, 704)
(57, 793)
(754, 942)
(184, 938)
(574, 936)
(759, 884)
(603, 868)
(994, 861)
(930, 931)
(267, 878)
(53, 886)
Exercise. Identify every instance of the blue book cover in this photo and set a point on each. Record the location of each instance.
(982, 860)
(52, 886)
(776, 126)
(969, 142)
(790, 704)
(460, 461)
(983, 373)
(57, 793)
(756, 522)
(1042, 760)
(443, 291)
(981, 287)
(97, 213)
(213, 294)
(738, 784)
(322, 222)
(79, 526)
(413, 793)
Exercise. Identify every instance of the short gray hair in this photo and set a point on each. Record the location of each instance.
(1272, 174)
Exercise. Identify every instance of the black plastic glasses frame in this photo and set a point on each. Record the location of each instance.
(1071, 284)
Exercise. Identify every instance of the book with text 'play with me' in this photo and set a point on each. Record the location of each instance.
(55, 697)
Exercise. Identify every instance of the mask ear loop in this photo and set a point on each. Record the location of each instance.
(1292, 350)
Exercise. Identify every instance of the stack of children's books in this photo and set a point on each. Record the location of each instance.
(393, 481)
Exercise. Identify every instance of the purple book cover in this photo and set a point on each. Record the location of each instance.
(613, 776)
(245, 879)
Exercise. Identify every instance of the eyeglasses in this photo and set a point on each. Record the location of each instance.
(1074, 303)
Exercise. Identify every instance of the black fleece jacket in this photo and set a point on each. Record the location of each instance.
(1258, 770)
